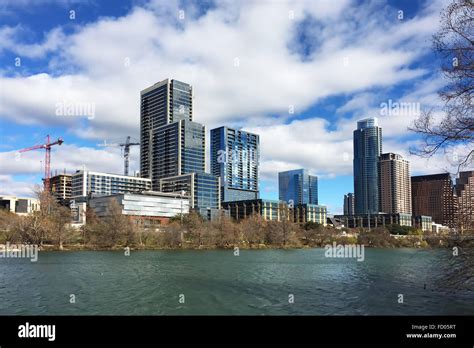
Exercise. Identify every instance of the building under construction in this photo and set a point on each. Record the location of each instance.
(61, 187)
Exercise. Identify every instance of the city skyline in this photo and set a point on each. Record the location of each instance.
(306, 127)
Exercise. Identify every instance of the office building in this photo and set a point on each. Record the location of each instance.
(349, 204)
(433, 195)
(88, 183)
(424, 223)
(163, 103)
(235, 159)
(203, 190)
(367, 149)
(178, 148)
(394, 184)
(375, 220)
(465, 201)
(147, 208)
(270, 210)
(274, 210)
(298, 187)
(18, 205)
(303, 213)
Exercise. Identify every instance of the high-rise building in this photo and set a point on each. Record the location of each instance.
(433, 195)
(367, 149)
(394, 184)
(203, 190)
(87, 183)
(60, 186)
(349, 204)
(465, 197)
(235, 159)
(298, 187)
(163, 103)
(178, 148)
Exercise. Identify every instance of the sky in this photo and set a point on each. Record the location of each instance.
(298, 73)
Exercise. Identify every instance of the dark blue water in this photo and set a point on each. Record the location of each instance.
(217, 282)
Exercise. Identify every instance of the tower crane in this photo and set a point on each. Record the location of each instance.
(47, 161)
(126, 151)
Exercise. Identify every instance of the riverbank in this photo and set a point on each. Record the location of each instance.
(52, 231)
(413, 242)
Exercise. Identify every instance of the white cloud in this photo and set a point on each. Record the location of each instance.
(69, 157)
(359, 49)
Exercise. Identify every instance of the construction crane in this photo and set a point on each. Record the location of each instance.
(126, 152)
(47, 161)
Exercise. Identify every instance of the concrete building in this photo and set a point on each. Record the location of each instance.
(433, 195)
(61, 187)
(423, 222)
(298, 187)
(163, 103)
(148, 208)
(349, 204)
(273, 210)
(394, 184)
(375, 220)
(235, 159)
(203, 190)
(439, 229)
(89, 183)
(177, 148)
(465, 201)
(18, 205)
(303, 213)
(367, 149)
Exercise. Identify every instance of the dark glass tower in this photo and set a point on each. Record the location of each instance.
(367, 149)
(178, 148)
(298, 186)
(163, 103)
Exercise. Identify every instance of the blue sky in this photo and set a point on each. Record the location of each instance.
(298, 73)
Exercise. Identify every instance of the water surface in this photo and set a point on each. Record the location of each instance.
(257, 282)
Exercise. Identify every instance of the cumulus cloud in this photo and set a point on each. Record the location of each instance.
(249, 62)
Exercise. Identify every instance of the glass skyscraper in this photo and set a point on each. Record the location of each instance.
(173, 146)
(367, 149)
(163, 103)
(298, 187)
(235, 159)
(178, 148)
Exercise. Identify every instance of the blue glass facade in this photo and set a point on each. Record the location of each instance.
(235, 159)
(203, 189)
(298, 186)
(178, 148)
(367, 149)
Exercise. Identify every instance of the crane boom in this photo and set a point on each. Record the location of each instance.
(126, 152)
(47, 162)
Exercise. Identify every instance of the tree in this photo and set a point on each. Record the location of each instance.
(454, 44)
(253, 229)
(8, 223)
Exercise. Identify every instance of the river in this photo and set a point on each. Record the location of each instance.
(256, 282)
